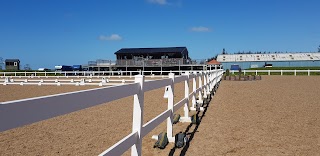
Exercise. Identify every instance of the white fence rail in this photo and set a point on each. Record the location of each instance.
(27, 111)
(60, 81)
(280, 72)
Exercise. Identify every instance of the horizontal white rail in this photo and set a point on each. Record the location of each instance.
(155, 122)
(179, 104)
(151, 85)
(27, 111)
(122, 146)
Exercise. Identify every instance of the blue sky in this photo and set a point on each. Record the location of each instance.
(45, 33)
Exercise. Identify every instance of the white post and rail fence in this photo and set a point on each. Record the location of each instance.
(90, 74)
(278, 72)
(42, 74)
(22, 112)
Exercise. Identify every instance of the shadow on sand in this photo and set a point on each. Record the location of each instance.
(190, 135)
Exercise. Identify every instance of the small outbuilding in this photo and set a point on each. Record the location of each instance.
(214, 63)
(12, 64)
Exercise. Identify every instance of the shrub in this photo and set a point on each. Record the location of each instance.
(227, 72)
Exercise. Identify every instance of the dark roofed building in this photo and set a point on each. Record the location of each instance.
(152, 56)
(12, 64)
(177, 52)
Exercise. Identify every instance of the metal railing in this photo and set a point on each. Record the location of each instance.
(160, 62)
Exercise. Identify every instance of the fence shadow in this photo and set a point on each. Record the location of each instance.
(190, 135)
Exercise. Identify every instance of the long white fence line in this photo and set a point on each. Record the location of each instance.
(77, 80)
(27, 111)
(277, 71)
(89, 73)
(86, 77)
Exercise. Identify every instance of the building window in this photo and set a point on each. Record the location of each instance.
(9, 64)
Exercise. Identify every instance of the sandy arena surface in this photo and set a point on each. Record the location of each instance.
(278, 115)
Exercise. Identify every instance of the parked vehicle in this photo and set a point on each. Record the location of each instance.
(268, 65)
(43, 69)
(77, 68)
(235, 67)
(63, 68)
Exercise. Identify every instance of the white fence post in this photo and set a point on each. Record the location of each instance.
(281, 72)
(186, 95)
(204, 84)
(256, 72)
(209, 81)
(295, 72)
(207, 84)
(268, 72)
(138, 105)
(308, 72)
(212, 76)
(200, 85)
(186, 117)
(170, 106)
(215, 78)
(194, 88)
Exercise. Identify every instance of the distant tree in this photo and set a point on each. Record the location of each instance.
(212, 58)
(27, 67)
(1, 63)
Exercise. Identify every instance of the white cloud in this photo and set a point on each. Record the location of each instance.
(160, 2)
(200, 29)
(113, 37)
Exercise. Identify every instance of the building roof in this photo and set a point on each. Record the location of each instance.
(152, 50)
(213, 62)
(269, 57)
(12, 60)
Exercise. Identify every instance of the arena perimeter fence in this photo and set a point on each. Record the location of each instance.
(26, 111)
(277, 72)
(130, 74)
(29, 74)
